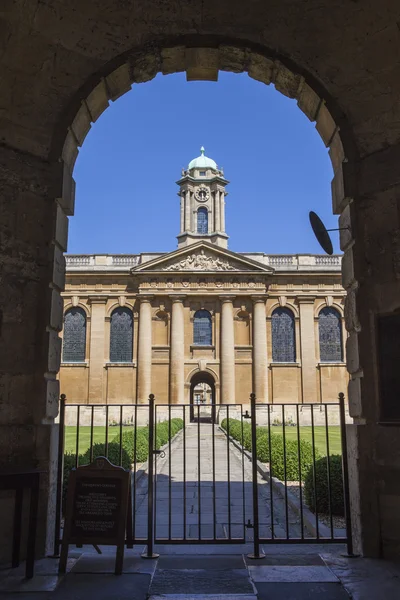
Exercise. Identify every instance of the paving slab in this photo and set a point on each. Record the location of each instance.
(287, 559)
(207, 562)
(90, 563)
(198, 581)
(301, 591)
(38, 583)
(291, 574)
(204, 597)
(134, 586)
(366, 578)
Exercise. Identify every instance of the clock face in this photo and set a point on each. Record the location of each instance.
(202, 194)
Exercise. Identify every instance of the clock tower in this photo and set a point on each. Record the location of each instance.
(202, 195)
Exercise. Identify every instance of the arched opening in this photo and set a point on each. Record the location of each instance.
(110, 84)
(202, 398)
(202, 220)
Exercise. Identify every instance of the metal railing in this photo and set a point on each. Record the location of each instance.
(196, 478)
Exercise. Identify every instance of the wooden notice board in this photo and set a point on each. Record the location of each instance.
(97, 508)
(388, 345)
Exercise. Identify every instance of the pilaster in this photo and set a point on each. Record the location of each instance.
(96, 349)
(307, 349)
(144, 350)
(260, 362)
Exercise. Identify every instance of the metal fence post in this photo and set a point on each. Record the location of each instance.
(150, 484)
(60, 471)
(345, 469)
(256, 527)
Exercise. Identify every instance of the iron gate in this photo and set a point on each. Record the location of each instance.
(219, 474)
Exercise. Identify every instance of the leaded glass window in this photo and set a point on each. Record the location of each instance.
(202, 220)
(202, 329)
(283, 336)
(121, 335)
(330, 335)
(74, 335)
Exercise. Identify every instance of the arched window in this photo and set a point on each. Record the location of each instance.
(202, 220)
(283, 336)
(121, 335)
(330, 335)
(202, 329)
(74, 335)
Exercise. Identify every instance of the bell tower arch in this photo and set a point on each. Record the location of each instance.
(202, 196)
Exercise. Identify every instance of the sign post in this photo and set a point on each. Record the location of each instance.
(97, 509)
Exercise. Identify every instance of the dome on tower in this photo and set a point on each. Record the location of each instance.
(202, 162)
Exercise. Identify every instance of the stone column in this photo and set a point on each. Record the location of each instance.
(227, 351)
(96, 348)
(307, 349)
(188, 211)
(177, 355)
(260, 365)
(222, 210)
(144, 350)
(217, 211)
(182, 199)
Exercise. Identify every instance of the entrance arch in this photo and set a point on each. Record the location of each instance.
(202, 407)
(102, 60)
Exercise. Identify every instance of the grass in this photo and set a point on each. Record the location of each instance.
(99, 435)
(319, 437)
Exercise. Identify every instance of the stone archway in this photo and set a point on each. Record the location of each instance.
(206, 409)
(74, 63)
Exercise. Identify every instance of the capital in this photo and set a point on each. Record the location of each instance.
(177, 298)
(227, 298)
(258, 299)
(145, 298)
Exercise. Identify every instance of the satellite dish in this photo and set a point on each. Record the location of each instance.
(321, 233)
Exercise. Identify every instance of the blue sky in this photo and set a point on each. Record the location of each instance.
(279, 168)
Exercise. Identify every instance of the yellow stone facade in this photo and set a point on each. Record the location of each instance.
(240, 291)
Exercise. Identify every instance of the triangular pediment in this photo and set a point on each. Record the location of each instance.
(202, 257)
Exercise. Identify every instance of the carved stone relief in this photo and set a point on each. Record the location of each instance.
(201, 262)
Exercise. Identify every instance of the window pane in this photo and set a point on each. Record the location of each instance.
(202, 334)
(330, 335)
(74, 335)
(202, 220)
(121, 335)
(283, 336)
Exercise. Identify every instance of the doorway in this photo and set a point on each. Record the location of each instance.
(202, 398)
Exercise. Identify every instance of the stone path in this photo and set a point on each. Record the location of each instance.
(203, 490)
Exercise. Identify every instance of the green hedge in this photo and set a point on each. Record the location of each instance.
(113, 455)
(141, 446)
(336, 484)
(163, 429)
(292, 458)
(277, 450)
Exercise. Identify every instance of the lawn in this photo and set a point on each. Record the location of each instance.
(319, 437)
(99, 436)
